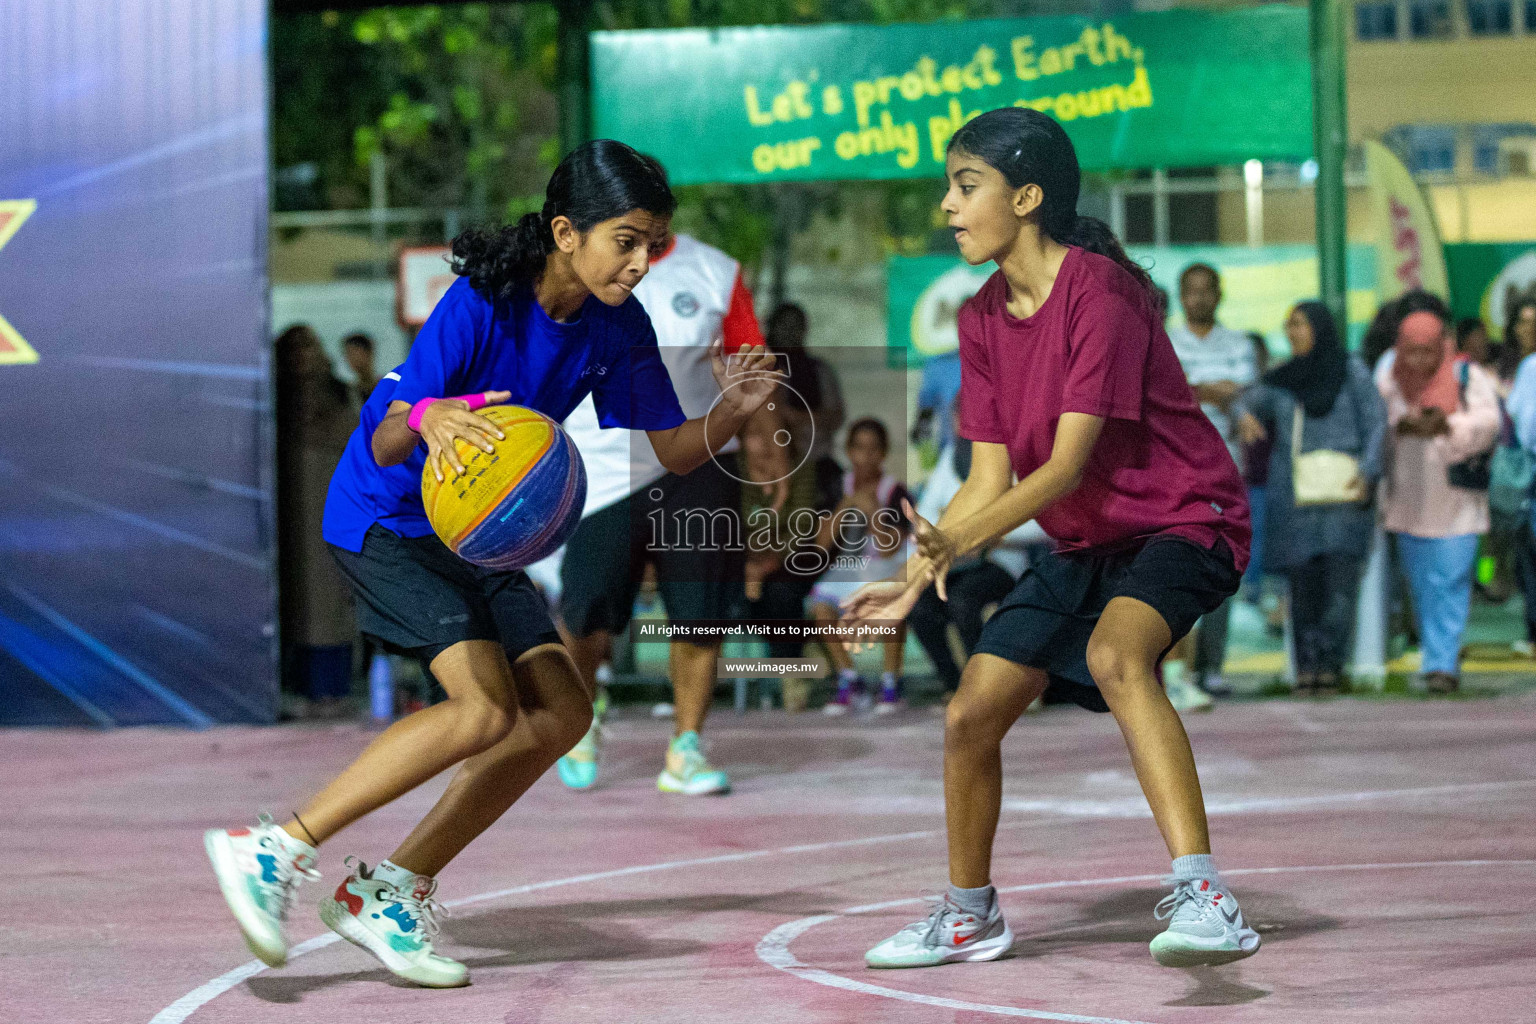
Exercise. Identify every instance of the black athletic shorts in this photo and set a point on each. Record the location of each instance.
(416, 597)
(700, 559)
(1046, 620)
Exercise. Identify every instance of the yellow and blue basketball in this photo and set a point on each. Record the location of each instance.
(511, 507)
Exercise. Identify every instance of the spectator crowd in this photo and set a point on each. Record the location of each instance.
(1427, 432)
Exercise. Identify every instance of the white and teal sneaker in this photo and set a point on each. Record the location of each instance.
(578, 768)
(397, 924)
(259, 869)
(688, 772)
(1205, 926)
(947, 935)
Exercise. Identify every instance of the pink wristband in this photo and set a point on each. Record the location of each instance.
(476, 401)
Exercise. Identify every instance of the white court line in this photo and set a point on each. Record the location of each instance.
(188, 1004)
(773, 948)
(1136, 806)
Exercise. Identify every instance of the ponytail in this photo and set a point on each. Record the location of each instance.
(597, 181)
(1094, 235)
(1028, 147)
(497, 261)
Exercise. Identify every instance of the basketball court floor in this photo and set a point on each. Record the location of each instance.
(1383, 847)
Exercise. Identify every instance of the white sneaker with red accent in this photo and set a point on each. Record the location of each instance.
(259, 869)
(947, 935)
(397, 924)
(1205, 926)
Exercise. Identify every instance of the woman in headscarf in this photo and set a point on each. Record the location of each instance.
(1320, 548)
(1443, 410)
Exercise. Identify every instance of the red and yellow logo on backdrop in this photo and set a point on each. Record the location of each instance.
(13, 347)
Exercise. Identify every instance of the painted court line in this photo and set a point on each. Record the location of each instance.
(773, 948)
(189, 1004)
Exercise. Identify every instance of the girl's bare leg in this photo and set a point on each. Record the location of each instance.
(993, 693)
(1122, 655)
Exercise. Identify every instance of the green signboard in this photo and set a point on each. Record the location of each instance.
(1488, 278)
(1165, 89)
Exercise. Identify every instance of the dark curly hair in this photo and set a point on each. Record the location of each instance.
(1028, 147)
(597, 181)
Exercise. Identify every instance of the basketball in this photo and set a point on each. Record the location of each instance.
(513, 506)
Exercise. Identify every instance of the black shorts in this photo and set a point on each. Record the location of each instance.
(1046, 620)
(416, 597)
(700, 565)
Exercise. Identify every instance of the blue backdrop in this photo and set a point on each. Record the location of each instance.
(136, 524)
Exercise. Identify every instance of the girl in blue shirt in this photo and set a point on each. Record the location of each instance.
(542, 316)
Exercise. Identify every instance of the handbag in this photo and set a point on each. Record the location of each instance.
(1324, 476)
(1512, 472)
(1474, 473)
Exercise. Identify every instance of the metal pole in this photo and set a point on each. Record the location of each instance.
(378, 208)
(574, 73)
(1330, 139)
(1253, 196)
(1160, 232)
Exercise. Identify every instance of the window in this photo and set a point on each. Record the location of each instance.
(1485, 147)
(1431, 150)
(1489, 17)
(1377, 19)
(1430, 19)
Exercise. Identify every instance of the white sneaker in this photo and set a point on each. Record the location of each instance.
(397, 924)
(1205, 926)
(259, 870)
(947, 935)
(1185, 696)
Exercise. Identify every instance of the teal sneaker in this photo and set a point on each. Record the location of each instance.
(688, 772)
(578, 768)
(396, 924)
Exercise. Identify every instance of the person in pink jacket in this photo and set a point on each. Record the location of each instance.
(1441, 410)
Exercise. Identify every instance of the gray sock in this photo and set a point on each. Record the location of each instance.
(1196, 866)
(974, 901)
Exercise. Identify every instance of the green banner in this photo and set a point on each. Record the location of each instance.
(1487, 278)
(1259, 286)
(1165, 89)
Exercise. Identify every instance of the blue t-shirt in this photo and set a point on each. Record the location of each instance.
(469, 345)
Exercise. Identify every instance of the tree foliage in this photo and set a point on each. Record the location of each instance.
(460, 101)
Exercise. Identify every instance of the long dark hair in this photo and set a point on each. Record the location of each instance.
(597, 181)
(1509, 351)
(1028, 147)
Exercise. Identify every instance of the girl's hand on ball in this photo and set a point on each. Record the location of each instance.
(449, 419)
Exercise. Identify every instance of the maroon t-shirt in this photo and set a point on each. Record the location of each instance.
(1097, 346)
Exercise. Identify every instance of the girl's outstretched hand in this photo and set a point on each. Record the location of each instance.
(934, 545)
(746, 377)
(884, 600)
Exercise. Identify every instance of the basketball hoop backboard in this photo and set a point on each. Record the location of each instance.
(421, 280)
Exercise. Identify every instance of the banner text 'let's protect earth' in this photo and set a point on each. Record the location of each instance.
(1166, 89)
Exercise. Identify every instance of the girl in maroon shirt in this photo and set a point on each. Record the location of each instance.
(1070, 384)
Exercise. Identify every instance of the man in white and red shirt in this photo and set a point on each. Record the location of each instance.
(694, 295)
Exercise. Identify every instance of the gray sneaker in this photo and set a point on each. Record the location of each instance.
(946, 935)
(1205, 926)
